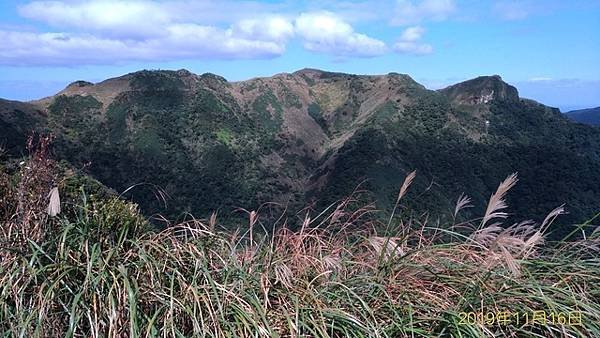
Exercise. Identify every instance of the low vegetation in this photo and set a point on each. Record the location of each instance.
(99, 269)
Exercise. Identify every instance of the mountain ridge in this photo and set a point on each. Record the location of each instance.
(589, 116)
(313, 135)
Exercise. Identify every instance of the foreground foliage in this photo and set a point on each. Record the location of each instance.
(98, 270)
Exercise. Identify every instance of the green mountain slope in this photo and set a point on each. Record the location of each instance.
(17, 119)
(314, 136)
(589, 116)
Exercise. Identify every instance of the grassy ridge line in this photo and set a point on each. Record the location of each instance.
(99, 271)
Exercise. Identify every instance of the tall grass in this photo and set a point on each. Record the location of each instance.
(98, 270)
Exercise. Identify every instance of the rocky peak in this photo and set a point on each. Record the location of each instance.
(213, 77)
(481, 90)
(184, 73)
(79, 84)
(77, 88)
(308, 72)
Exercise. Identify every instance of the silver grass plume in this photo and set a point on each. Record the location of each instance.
(54, 205)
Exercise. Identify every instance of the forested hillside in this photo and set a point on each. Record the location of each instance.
(207, 144)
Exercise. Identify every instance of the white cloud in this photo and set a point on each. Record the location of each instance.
(411, 12)
(275, 28)
(325, 32)
(110, 31)
(409, 42)
(412, 33)
(182, 41)
(110, 14)
(413, 48)
(127, 19)
(539, 79)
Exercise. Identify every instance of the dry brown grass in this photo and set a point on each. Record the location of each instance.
(24, 205)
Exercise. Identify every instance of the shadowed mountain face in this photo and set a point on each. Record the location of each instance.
(314, 136)
(589, 116)
(17, 119)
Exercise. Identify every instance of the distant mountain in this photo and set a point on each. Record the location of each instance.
(313, 136)
(589, 116)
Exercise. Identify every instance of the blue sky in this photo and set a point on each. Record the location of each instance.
(549, 49)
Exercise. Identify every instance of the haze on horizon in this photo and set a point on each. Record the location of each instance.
(549, 50)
